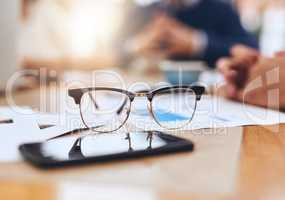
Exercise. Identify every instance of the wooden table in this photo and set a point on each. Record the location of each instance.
(259, 172)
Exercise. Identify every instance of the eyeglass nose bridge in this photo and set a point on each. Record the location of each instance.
(140, 94)
(143, 94)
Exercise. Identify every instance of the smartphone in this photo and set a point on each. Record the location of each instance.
(75, 150)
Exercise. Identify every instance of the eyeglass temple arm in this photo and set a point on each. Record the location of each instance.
(97, 106)
(119, 111)
(93, 100)
(78, 94)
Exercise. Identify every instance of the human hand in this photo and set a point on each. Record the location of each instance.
(181, 39)
(236, 69)
(166, 37)
(264, 84)
(244, 52)
(147, 42)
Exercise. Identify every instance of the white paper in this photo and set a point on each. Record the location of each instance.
(24, 129)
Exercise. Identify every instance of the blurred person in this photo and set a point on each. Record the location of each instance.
(185, 29)
(254, 79)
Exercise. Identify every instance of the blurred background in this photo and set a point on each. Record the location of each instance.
(96, 34)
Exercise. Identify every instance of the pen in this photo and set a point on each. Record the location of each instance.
(6, 121)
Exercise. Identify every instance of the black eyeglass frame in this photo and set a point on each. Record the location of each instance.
(78, 93)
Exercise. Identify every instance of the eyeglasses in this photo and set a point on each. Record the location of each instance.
(104, 110)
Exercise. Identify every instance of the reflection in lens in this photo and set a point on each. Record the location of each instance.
(104, 110)
(174, 108)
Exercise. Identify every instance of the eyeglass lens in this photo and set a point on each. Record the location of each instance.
(104, 110)
(174, 108)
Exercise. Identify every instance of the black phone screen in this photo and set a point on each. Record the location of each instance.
(103, 147)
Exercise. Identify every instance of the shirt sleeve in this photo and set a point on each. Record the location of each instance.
(227, 32)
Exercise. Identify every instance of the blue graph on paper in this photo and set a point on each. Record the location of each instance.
(162, 115)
